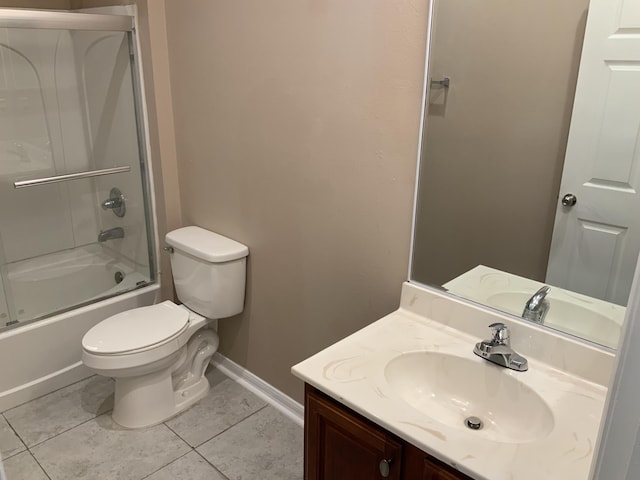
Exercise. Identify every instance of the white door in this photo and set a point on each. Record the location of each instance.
(596, 242)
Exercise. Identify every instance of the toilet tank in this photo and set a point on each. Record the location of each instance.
(209, 271)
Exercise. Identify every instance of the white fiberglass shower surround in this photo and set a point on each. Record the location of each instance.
(76, 232)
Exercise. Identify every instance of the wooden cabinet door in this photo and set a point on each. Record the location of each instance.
(341, 445)
(417, 465)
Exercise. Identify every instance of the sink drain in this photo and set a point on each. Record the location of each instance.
(474, 423)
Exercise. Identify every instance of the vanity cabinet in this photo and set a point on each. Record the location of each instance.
(340, 444)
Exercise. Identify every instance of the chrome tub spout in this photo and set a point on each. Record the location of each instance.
(112, 233)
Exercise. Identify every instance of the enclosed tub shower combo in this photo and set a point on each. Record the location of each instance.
(76, 231)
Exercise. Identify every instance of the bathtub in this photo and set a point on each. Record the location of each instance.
(51, 283)
(39, 356)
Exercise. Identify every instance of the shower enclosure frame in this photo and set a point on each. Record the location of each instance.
(60, 334)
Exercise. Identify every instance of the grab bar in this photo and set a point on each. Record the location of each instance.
(69, 176)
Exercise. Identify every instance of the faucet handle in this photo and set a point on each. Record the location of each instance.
(500, 333)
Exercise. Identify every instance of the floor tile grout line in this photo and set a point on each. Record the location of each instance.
(46, 474)
(28, 447)
(67, 430)
(212, 465)
(191, 450)
(7, 457)
(177, 434)
(236, 424)
(231, 426)
(44, 395)
(166, 422)
(24, 444)
(171, 462)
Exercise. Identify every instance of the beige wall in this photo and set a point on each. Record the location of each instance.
(495, 144)
(296, 131)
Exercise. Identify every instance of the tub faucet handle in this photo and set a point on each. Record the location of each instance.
(115, 203)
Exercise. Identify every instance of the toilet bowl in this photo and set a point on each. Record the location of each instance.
(158, 354)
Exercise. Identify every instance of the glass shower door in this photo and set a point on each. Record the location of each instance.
(74, 209)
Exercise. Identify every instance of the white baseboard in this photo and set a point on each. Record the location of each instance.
(270, 394)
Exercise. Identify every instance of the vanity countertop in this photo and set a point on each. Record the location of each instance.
(352, 371)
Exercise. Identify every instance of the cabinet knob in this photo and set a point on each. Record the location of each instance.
(385, 467)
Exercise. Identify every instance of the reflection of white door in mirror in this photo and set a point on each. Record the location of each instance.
(492, 157)
(596, 242)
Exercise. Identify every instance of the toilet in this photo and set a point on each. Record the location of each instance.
(158, 354)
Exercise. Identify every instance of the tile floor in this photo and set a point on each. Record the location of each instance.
(229, 435)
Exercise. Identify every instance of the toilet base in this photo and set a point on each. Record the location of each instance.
(147, 400)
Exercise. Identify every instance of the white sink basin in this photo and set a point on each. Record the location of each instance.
(565, 316)
(450, 389)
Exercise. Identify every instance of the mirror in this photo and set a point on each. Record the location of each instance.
(529, 160)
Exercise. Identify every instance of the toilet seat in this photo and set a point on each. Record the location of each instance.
(137, 330)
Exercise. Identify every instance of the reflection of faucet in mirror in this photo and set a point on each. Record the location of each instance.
(592, 319)
(537, 306)
(498, 349)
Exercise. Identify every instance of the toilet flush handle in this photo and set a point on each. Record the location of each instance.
(168, 249)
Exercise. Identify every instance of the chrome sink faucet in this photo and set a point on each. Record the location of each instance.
(498, 349)
(537, 306)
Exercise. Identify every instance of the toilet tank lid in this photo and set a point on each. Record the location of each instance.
(206, 245)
